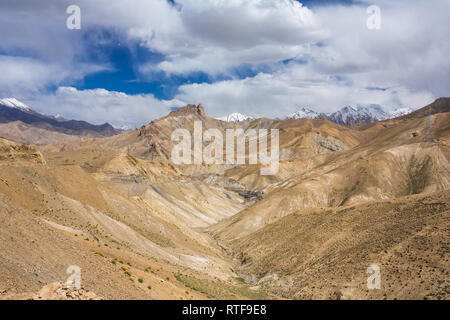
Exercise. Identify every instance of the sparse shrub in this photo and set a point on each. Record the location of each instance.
(141, 280)
(239, 279)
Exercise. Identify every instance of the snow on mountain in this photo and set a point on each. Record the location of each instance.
(400, 112)
(59, 118)
(347, 115)
(358, 114)
(14, 103)
(303, 113)
(123, 128)
(236, 117)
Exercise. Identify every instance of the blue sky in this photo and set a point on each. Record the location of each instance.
(125, 78)
(134, 60)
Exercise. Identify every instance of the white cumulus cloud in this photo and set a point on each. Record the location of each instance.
(99, 106)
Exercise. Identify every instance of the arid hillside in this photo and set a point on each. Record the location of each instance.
(130, 225)
(324, 253)
(141, 227)
(397, 162)
(298, 138)
(24, 125)
(153, 141)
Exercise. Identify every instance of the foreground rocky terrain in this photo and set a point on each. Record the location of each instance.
(140, 227)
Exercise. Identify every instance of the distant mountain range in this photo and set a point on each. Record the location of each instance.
(304, 113)
(365, 114)
(20, 123)
(348, 115)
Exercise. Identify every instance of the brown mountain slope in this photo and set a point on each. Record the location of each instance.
(441, 105)
(298, 138)
(394, 164)
(343, 198)
(29, 134)
(30, 127)
(115, 217)
(13, 154)
(324, 254)
(303, 138)
(377, 137)
(153, 141)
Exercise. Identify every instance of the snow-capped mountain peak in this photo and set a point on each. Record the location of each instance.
(400, 112)
(236, 117)
(303, 113)
(359, 113)
(14, 103)
(59, 118)
(123, 128)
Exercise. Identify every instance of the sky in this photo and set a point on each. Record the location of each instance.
(133, 61)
